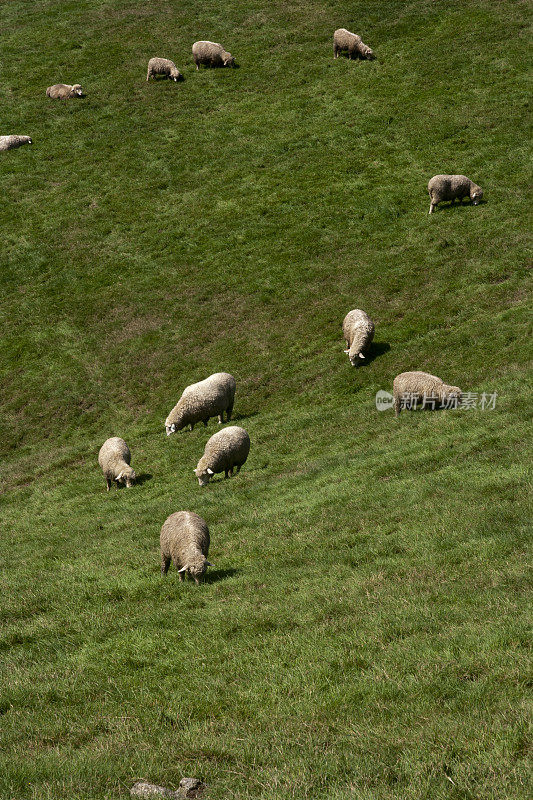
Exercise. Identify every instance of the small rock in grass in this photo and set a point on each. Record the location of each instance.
(149, 790)
(191, 787)
(188, 788)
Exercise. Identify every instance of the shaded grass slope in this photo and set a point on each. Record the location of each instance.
(365, 631)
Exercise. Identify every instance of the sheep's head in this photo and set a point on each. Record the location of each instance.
(451, 393)
(77, 90)
(203, 473)
(174, 422)
(228, 60)
(369, 54)
(476, 193)
(196, 568)
(175, 74)
(127, 476)
(354, 357)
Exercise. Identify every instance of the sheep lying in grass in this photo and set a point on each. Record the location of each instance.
(64, 91)
(225, 450)
(114, 458)
(415, 386)
(358, 331)
(452, 187)
(163, 66)
(203, 400)
(343, 40)
(211, 54)
(10, 142)
(185, 541)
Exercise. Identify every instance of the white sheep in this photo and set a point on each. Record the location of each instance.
(203, 400)
(452, 187)
(114, 458)
(416, 386)
(225, 450)
(211, 54)
(358, 331)
(163, 66)
(344, 40)
(64, 91)
(185, 542)
(10, 142)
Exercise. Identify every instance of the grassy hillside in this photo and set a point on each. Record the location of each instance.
(364, 633)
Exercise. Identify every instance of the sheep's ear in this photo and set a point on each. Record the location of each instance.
(194, 471)
(119, 476)
(183, 569)
(346, 351)
(361, 355)
(210, 471)
(209, 564)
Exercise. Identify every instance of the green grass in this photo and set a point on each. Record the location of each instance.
(365, 631)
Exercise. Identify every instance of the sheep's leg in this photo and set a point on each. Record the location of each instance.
(239, 468)
(108, 483)
(192, 426)
(165, 564)
(432, 207)
(180, 576)
(397, 406)
(335, 51)
(221, 419)
(226, 472)
(205, 422)
(229, 412)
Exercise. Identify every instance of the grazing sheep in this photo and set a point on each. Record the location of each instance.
(10, 142)
(211, 54)
(415, 386)
(450, 187)
(63, 91)
(114, 458)
(185, 541)
(358, 330)
(352, 43)
(202, 400)
(163, 66)
(224, 450)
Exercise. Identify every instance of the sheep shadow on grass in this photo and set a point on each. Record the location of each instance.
(214, 575)
(157, 78)
(139, 480)
(447, 205)
(421, 409)
(142, 478)
(351, 57)
(376, 350)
